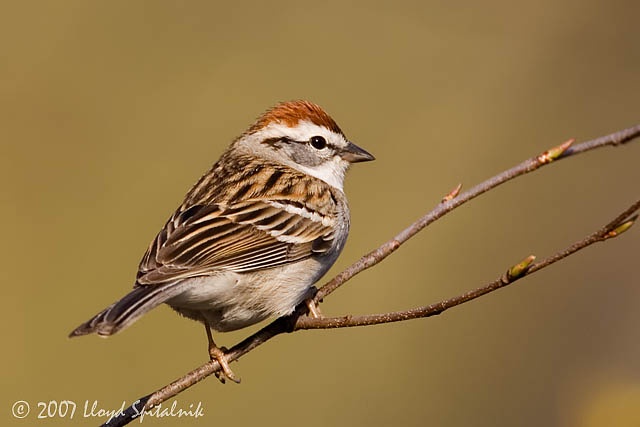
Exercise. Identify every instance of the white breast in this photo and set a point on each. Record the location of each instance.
(231, 301)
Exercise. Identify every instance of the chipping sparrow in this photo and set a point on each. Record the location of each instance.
(255, 232)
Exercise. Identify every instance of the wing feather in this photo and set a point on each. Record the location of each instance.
(245, 236)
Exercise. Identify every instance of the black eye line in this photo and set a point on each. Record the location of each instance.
(271, 141)
(328, 144)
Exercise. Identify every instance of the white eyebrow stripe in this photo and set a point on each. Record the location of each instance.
(300, 132)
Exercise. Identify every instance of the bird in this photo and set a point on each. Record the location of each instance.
(253, 235)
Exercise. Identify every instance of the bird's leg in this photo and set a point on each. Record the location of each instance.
(314, 310)
(217, 353)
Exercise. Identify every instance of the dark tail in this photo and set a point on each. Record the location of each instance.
(122, 313)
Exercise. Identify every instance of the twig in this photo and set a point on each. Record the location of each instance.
(518, 271)
(451, 201)
(562, 151)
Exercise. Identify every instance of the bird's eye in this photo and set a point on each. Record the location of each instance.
(318, 142)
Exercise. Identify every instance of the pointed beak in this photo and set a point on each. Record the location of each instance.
(354, 154)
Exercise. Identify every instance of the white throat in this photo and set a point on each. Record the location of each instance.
(331, 172)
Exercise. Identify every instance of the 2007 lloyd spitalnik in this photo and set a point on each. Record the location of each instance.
(93, 409)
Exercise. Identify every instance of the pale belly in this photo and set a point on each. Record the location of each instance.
(230, 301)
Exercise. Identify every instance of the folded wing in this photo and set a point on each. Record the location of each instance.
(246, 236)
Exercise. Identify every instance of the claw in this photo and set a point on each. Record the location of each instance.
(219, 354)
(314, 310)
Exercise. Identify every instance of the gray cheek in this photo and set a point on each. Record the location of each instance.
(302, 156)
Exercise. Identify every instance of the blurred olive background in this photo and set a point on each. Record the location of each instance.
(110, 110)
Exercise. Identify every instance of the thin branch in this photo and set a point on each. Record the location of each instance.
(451, 201)
(525, 269)
(529, 165)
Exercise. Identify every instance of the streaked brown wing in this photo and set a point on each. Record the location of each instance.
(244, 237)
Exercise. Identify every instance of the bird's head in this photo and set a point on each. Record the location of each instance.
(301, 135)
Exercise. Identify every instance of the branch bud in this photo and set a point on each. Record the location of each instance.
(621, 228)
(555, 152)
(452, 194)
(521, 268)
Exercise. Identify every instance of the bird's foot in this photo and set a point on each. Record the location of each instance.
(219, 354)
(314, 310)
